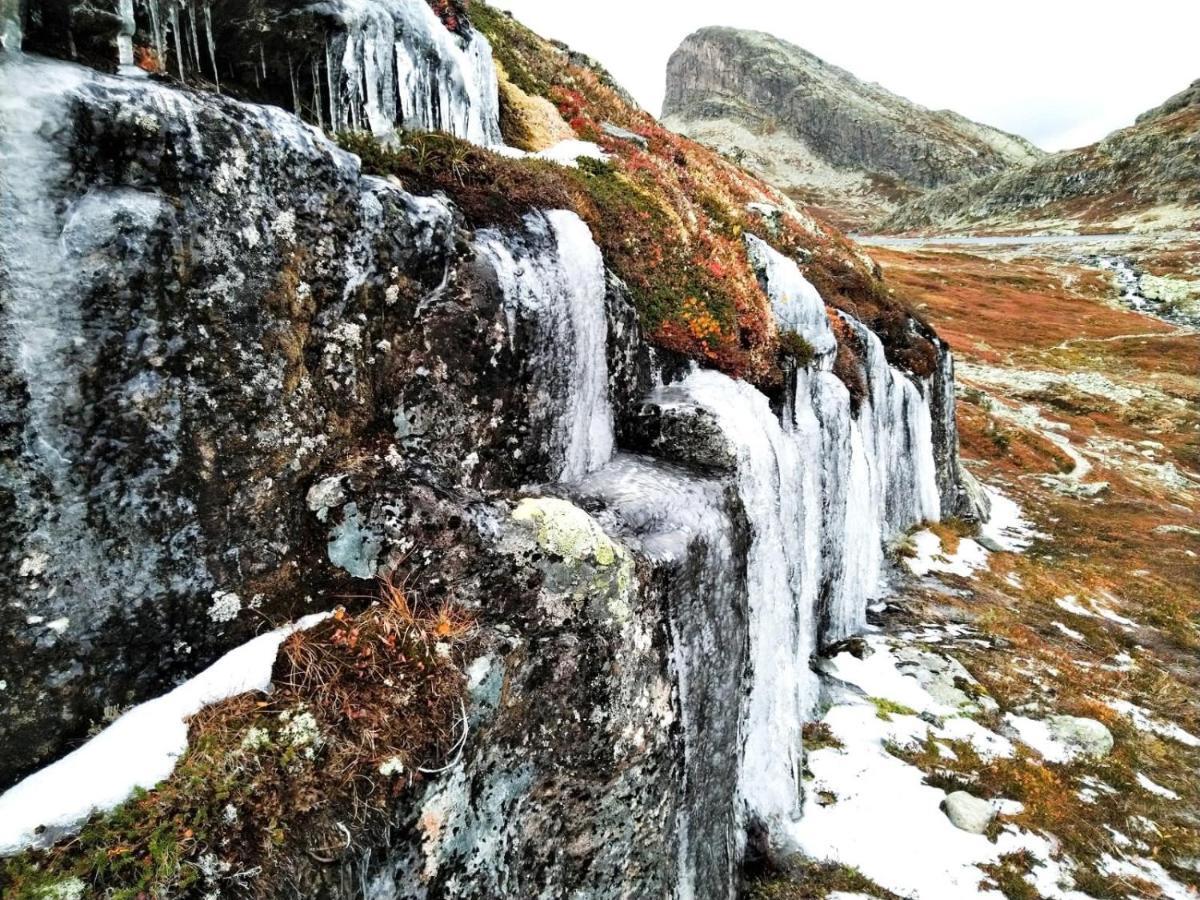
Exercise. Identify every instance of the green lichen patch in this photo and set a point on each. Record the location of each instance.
(567, 531)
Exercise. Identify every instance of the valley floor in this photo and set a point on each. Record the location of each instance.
(1058, 683)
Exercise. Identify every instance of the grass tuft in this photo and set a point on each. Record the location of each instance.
(363, 707)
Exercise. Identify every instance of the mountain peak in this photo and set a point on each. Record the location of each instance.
(851, 147)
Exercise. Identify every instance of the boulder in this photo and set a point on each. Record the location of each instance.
(968, 812)
(1087, 737)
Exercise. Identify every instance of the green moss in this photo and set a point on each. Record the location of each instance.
(885, 708)
(795, 347)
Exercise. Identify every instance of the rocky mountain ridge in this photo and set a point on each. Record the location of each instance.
(1143, 178)
(853, 149)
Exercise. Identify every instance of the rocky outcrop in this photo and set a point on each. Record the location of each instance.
(1142, 178)
(239, 379)
(1189, 96)
(853, 148)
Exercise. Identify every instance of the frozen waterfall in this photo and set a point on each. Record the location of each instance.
(395, 63)
(778, 482)
(796, 303)
(897, 426)
(552, 276)
(683, 523)
(369, 65)
(823, 489)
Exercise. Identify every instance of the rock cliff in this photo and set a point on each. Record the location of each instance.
(854, 149)
(623, 466)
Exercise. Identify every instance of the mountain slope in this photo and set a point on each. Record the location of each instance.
(1142, 178)
(816, 130)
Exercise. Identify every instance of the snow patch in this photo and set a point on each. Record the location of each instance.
(1143, 721)
(138, 750)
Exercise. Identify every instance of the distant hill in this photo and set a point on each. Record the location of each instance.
(853, 149)
(1142, 178)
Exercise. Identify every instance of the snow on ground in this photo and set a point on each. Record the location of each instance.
(1143, 721)
(138, 750)
(1069, 632)
(930, 556)
(1148, 870)
(885, 821)
(1037, 735)
(1007, 525)
(565, 153)
(1155, 788)
(1070, 603)
(1007, 529)
(1095, 609)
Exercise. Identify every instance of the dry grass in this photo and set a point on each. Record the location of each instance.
(1106, 550)
(364, 706)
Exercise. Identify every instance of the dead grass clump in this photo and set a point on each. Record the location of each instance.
(364, 706)
(951, 531)
(819, 736)
(803, 879)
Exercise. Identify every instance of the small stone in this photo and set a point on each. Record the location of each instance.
(968, 812)
(1084, 736)
(624, 134)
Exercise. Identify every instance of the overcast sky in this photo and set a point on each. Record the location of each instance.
(1063, 73)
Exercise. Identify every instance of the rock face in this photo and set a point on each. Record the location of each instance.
(239, 379)
(853, 148)
(1142, 178)
(1188, 97)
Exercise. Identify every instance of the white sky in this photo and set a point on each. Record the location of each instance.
(1063, 73)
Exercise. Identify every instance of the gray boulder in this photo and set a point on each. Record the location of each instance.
(1086, 736)
(968, 812)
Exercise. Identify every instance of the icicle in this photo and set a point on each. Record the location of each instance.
(295, 86)
(335, 121)
(125, 37)
(212, 47)
(156, 26)
(898, 433)
(10, 26)
(175, 30)
(318, 102)
(262, 56)
(195, 42)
